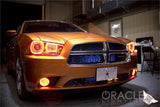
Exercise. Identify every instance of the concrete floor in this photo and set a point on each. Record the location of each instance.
(144, 81)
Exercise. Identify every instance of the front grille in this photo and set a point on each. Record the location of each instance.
(116, 46)
(119, 57)
(92, 81)
(123, 76)
(85, 59)
(84, 82)
(98, 53)
(88, 47)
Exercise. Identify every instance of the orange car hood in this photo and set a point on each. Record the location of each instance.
(75, 37)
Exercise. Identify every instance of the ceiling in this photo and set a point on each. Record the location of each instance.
(34, 2)
(37, 2)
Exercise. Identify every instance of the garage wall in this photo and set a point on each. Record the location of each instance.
(59, 10)
(99, 27)
(143, 24)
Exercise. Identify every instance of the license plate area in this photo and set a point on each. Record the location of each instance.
(103, 74)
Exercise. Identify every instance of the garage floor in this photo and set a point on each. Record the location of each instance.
(144, 81)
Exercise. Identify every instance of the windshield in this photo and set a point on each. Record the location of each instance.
(46, 26)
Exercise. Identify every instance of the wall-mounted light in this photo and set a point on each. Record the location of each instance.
(115, 26)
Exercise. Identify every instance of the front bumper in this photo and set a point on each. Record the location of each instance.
(36, 67)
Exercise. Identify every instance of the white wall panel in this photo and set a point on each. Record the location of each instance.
(143, 24)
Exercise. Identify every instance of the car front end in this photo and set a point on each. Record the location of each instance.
(76, 62)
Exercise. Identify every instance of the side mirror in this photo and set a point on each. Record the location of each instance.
(11, 33)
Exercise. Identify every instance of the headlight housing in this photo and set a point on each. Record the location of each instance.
(131, 48)
(45, 48)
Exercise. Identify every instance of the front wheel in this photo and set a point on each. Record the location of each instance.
(20, 85)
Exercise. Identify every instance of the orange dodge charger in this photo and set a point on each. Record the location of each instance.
(51, 55)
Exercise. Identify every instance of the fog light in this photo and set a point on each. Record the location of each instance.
(134, 71)
(44, 82)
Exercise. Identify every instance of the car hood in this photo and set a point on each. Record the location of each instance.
(74, 37)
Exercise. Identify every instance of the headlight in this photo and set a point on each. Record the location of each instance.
(45, 48)
(131, 48)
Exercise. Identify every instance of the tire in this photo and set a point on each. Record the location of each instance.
(20, 84)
